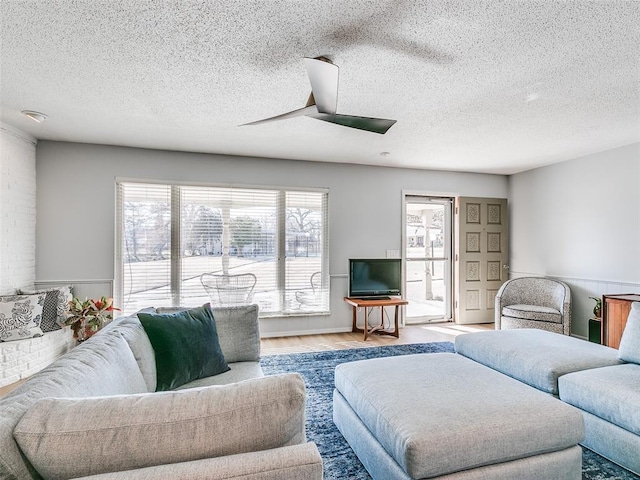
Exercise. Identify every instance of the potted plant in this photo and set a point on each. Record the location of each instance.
(597, 309)
(88, 316)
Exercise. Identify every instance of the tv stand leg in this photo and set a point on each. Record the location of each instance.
(396, 332)
(355, 328)
(366, 323)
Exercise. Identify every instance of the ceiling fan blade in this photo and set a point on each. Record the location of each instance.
(375, 125)
(323, 77)
(296, 113)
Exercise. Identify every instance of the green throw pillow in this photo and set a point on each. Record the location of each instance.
(185, 344)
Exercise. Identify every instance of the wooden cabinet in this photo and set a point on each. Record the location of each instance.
(615, 310)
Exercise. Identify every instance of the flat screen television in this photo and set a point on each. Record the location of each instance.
(375, 277)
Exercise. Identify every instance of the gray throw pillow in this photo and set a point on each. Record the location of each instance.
(186, 346)
(629, 350)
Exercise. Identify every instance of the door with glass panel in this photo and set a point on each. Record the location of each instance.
(427, 256)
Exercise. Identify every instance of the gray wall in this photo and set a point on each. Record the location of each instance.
(580, 221)
(76, 199)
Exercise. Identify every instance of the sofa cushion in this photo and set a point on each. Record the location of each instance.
(295, 462)
(533, 312)
(238, 372)
(68, 438)
(534, 356)
(20, 316)
(629, 350)
(186, 346)
(610, 393)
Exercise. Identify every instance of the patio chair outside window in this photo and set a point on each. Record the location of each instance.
(229, 289)
(311, 298)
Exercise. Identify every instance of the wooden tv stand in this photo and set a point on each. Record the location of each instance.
(357, 303)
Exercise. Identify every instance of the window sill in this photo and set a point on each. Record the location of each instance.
(270, 316)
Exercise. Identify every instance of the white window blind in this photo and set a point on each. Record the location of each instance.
(169, 235)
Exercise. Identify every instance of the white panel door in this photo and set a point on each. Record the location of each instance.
(481, 257)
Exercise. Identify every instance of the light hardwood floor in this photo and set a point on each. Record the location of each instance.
(436, 332)
(7, 388)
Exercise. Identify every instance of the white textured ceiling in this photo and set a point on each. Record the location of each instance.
(480, 86)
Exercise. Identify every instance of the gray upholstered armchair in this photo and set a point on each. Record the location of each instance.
(534, 302)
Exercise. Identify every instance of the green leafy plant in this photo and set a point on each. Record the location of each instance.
(88, 316)
(597, 309)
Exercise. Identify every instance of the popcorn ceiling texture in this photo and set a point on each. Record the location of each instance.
(486, 86)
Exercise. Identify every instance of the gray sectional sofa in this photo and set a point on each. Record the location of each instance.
(95, 413)
(602, 382)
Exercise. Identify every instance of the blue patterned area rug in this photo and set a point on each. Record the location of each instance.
(339, 460)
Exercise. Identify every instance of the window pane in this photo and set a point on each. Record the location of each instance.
(425, 289)
(146, 246)
(229, 231)
(306, 285)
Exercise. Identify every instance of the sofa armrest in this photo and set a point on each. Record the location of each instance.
(295, 462)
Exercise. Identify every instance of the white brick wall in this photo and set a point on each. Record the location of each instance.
(18, 252)
(22, 358)
(17, 209)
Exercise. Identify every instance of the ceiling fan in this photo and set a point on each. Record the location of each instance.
(323, 100)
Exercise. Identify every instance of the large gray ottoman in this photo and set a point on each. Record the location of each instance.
(444, 416)
(535, 357)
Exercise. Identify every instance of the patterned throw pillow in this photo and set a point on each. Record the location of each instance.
(20, 316)
(49, 321)
(56, 305)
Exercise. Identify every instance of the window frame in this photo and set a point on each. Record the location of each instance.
(176, 259)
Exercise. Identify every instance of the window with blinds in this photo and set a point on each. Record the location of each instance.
(169, 235)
